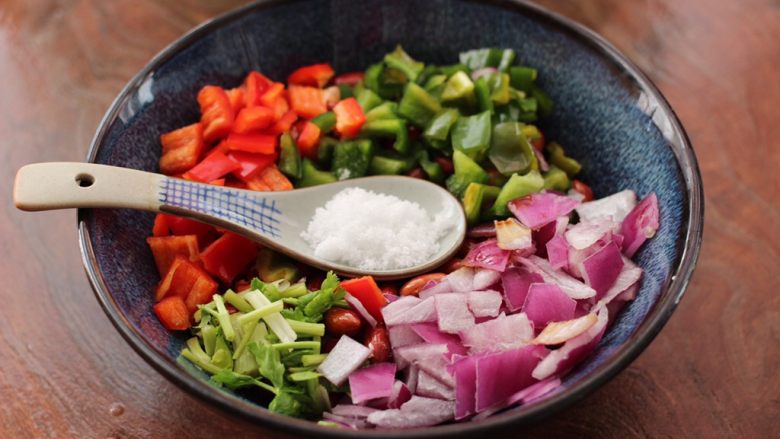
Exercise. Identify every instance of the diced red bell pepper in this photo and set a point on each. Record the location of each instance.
(308, 102)
(216, 112)
(368, 293)
(184, 226)
(173, 314)
(284, 123)
(162, 225)
(258, 143)
(279, 107)
(269, 179)
(182, 278)
(228, 256)
(181, 149)
(350, 78)
(308, 139)
(201, 293)
(218, 182)
(315, 75)
(253, 119)
(249, 164)
(214, 166)
(271, 94)
(255, 84)
(236, 98)
(166, 248)
(349, 118)
(582, 188)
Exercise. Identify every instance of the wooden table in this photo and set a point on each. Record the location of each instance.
(712, 372)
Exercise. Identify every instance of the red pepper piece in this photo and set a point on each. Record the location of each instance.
(173, 314)
(315, 75)
(279, 107)
(249, 164)
(181, 149)
(308, 102)
(236, 98)
(284, 123)
(185, 226)
(214, 166)
(582, 188)
(253, 119)
(271, 94)
(368, 293)
(182, 278)
(255, 84)
(349, 118)
(308, 139)
(252, 142)
(228, 256)
(218, 182)
(162, 225)
(351, 78)
(216, 112)
(201, 293)
(270, 179)
(165, 249)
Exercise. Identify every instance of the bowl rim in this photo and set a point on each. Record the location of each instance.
(628, 351)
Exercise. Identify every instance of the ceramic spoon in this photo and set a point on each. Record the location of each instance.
(274, 219)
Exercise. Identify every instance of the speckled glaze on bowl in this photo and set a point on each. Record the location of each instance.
(607, 114)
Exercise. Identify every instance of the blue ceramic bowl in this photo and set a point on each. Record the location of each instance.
(607, 114)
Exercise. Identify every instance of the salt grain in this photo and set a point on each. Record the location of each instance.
(374, 231)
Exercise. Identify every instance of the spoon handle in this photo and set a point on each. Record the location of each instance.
(64, 185)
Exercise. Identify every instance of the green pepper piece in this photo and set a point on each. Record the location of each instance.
(455, 68)
(510, 151)
(289, 157)
(527, 110)
(389, 128)
(367, 99)
(434, 82)
(428, 72)
(438, 129)
(518, 186)
(391, 83)
(272, 266)
(544, 102)
(558, 158)
(388, 110)
(371, 77)
(531, 132)
(502, 59)
(325, 150)
(417, 105)
(467, 171)
(432, 169)
(381, 165)
(326, 121)
(556, 179)
(499, 88)
(459, 89)
(311, 176)
(399, 59)
(351, 159)
(522, 78)
(471, 135)
(476, 196)
(482, 92)
(508, 57)
(346, 91)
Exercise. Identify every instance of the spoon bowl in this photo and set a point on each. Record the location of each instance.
(275, 219)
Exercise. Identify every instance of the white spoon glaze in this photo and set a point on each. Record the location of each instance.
(274, 219)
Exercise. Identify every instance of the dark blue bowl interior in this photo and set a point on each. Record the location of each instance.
(599, 117)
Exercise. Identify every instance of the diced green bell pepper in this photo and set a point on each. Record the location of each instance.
(517, 186)
(528, 110)
(325, 151)
(558, 158)
(387, 110)
(475, 196)
(352, 158)
(544, 103)
(346, 91)
(389, 128)
(510, 151)
(501, 59)
(434, 82)
(311, 176)
(556, 179)
(432, 169)
(498, 83)
(367, 98)
(459, 90)
(325, 121)
(381, 165)
(427, 73)
(272, 266)
(417, 105)
(455, 68)
(471, 135)
(482, 92)
(399, 59)
(522, 78)
(437, 132)
(467, 171)
(289, 157)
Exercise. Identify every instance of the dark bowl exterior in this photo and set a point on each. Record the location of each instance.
(607, 114)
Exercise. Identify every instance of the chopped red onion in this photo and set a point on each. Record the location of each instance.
(512, 235)
(403, 335)
(407, 355)
(431, 334)
(540, 209)
(484, 279)
(358, 306)
(486, 230)
(461, 280)
(343, 359)
(465, 372)
(400, 395)
(516, 282)
(502, 374)
(484, 303)
(391, 297)
(432, 289)
(399, 307)
(352, 411)
(547, 232)
(372, 382)
(502, 333)
(529, 394)
(629, 276)
(453, 313)
(601, 269)
(640, 224)
(573, 351)
(558, 252)
(476, 74)
(487, 254)
(560, 332)
(417, 412)
(433, 388)
(352, 423)
(546, 303)
(614, 207)
(569, 285)
(411, 377)
(424, 311)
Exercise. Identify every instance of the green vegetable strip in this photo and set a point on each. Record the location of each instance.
(417, 105)
(261, 312)
(522, 78)
(313, 345)
(295, 290)
(275, 321)
(289, 157)
(209, 335)
(303, 376)
(399, 59)
(237, 301)
(196, 360)
(249, 330)
(395, 128)
(304, 328)
(224, 318)
(482, 92)
(471, 135)
(313, 359)
(325, 121)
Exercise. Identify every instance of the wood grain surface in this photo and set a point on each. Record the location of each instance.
(712, 372)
